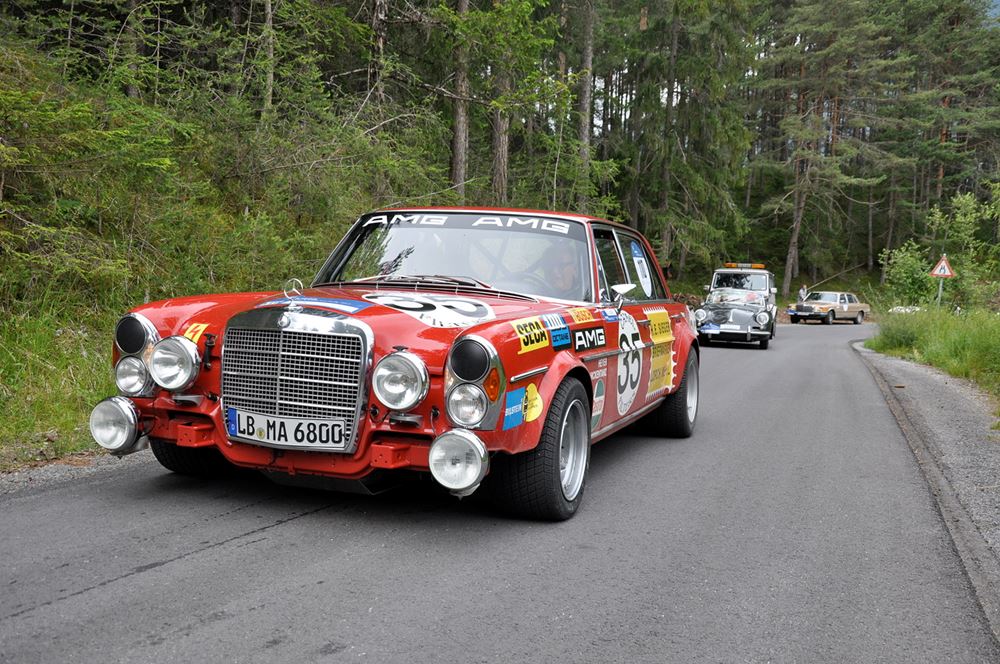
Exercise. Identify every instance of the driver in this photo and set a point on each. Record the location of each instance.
(562, 272)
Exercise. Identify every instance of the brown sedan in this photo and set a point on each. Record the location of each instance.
(829, 306)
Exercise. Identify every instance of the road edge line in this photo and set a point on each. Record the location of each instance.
(981, 566)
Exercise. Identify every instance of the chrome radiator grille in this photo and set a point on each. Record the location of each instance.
(293, 374)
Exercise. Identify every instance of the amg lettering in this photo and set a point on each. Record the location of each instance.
(587, 338)
(550, 225)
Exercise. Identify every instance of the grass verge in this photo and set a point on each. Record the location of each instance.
(965, 345)
(51, 375)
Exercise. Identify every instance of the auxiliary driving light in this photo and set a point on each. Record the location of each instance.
(458, 461)
(132, 377)
(400, 380)
(467, 405)
(114, 424)
(174, 363)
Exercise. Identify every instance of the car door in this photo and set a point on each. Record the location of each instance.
(843, 306)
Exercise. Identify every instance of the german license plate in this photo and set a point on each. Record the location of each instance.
(285, 431)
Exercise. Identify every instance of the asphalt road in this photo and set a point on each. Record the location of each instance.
(795, 526)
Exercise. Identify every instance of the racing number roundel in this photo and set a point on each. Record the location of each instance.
(629, 361)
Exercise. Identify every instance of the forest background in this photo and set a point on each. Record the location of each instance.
(153, 148)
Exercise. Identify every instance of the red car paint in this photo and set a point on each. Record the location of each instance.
(646, 355)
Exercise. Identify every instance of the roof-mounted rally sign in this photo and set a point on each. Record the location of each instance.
(943, 268)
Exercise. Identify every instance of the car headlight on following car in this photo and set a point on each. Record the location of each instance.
(131, 377)
(174, 363)
(762, 318)
(400, 380)
(700, 315)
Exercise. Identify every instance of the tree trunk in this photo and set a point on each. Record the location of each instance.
(460, 129)
(871, 244)
(501, 145)
(892, 224)
(380, 13)
(797, 215)
(134, 44)
(269, 65)
(583, 108)
(668, 129)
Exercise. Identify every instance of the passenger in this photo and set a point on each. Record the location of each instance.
(562, 272)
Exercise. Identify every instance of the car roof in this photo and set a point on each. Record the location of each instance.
(569, 216)
(741, 270)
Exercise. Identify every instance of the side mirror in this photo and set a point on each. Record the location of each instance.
(621, 290)
(773, 290)
(707, 288)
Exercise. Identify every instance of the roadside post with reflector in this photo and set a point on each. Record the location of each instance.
(942, 271)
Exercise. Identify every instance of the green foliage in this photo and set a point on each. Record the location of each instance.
(967, 345)
(907, 275)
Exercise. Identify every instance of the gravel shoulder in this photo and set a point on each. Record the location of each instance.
(948, 423)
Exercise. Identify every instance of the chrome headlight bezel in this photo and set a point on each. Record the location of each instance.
(417, 371)
(762, 318)
(145, 385)
(133, 323)
(187, 352)
(700, 315)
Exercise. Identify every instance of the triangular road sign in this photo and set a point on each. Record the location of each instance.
(943, 268)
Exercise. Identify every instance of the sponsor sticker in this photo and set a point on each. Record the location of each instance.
(642, 269)
(513, 409)
(580, 315)
(436, 310)
(532, 407)
(537, 224)
(531, 333)
(588, 338)
(629, 361)
(522, 405)
(558, 330)
(344, 306)
(195, 330)
(610, 315)
(661, 363)
(595, 418)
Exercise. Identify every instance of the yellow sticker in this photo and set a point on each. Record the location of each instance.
(195, 330)
(661, 369)
(532, 406)
(659, 326)
(532, 334)
(580, 315)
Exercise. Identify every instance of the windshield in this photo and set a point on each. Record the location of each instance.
(821, 297)
(743, 280)
(734, 296)
(533, 255)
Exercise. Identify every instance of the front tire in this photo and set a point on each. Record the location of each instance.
(828, 319)
(676, 416)
(764, 343)
(196, 461)
(547, 482)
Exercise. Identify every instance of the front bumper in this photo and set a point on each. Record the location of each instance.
(745, 334)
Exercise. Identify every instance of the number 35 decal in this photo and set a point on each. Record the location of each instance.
(629, 361)
(436, 310)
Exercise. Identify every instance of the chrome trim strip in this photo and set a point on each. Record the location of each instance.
(527, 374)
(612, 353)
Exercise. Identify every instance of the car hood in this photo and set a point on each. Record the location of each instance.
(426, 321)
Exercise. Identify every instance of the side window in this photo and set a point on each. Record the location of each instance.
(843, 299)
(851, 298)
(607, 252)
(641, 269)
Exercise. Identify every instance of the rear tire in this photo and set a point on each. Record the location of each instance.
(677, 415)
(794, 319)
(196, 461)
(860, 318)
(547, 482)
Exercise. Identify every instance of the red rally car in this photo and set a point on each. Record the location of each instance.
(485, 346)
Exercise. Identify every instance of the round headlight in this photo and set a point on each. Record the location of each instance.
(133, 333)
(470, 360)
(762, 318)
(114, 424)
(458, 460)
(467, 405)
(174, 363)
(700, 315)
(131, 376)
(400, 380)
